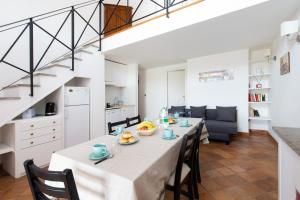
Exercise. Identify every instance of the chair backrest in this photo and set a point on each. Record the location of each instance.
(114, 124)
(198, 135)
(133, 121)
(186, 154)
(36, 177)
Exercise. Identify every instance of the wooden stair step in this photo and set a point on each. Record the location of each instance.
(39, 74)
(10, 98)
(83, 51)
(68, 57)
(55, 65)
(22, 85)
(91, 45)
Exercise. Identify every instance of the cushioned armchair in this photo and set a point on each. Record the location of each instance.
(221, 123)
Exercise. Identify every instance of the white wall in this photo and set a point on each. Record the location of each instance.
(153, 83)
(92, 67)
(221, 93)
(285, 89)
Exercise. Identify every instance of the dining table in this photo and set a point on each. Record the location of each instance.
(135, 172)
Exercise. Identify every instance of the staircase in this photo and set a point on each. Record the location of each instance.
(16, 99)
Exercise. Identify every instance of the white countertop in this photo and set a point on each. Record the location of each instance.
(118, 107)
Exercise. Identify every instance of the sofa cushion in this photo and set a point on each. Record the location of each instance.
(227, 114)
(214, 126)
(179, 109)
(211, 114)
(198, 112)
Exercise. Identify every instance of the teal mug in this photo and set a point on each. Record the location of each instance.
(168, 133)
(99, 149)
(119, 130)
(176, 115)
(184, 122)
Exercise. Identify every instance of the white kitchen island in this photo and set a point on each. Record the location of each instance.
(288, 140)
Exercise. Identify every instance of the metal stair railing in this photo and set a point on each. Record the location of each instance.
(31, 23)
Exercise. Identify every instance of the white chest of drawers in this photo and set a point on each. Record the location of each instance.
(35, 139)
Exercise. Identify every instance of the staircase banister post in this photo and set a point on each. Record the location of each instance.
(31, 55)
(73, 36)
(100, 24)
(167, 8)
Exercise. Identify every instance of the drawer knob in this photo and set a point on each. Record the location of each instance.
(53, 137)
(31, 142)
(31, 134)
(31, 125)
(54, 122)
(54, 129)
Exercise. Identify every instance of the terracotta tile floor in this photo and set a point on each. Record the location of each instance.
(244, 170)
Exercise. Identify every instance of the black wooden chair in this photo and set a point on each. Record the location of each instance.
(197, 149)
(111, 126)
(133, 121)
(185, 172)
(40, 191)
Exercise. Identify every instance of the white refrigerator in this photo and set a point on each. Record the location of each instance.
(77, 115)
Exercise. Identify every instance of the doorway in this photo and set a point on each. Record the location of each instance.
(176, 88)
(116, 18)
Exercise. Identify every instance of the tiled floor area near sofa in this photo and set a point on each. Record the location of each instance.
(244, 170)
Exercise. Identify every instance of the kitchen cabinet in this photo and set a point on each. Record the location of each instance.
(115, 74)
(120, 114)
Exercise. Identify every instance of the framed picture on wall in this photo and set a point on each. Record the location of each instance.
(285, 64)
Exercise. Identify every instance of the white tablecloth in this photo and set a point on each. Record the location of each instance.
(137, 171)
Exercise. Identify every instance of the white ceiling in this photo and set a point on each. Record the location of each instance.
(248, 28)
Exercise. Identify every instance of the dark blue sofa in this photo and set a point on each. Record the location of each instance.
(220, 127)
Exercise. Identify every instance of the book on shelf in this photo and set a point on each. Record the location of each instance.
(257, 97)
(253, 112)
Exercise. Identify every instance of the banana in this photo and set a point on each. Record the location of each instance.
(147, 124)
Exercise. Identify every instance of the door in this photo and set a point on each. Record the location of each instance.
(176, 88)
(116, 19)
(77, 125)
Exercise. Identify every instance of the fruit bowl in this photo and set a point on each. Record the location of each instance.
(147, 132)
(146, 128)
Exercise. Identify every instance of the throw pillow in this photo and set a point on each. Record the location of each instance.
(179, 109)
(198, 112)
(227, 114)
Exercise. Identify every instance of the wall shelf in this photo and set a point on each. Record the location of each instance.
(261, 102)
(113, 84)
(264, 88)
(259, 75)
(259, 60)
(260, 118)
(4, 148)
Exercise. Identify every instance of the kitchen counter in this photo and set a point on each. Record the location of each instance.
(291, 136)
(288, 140)
(118, 107)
